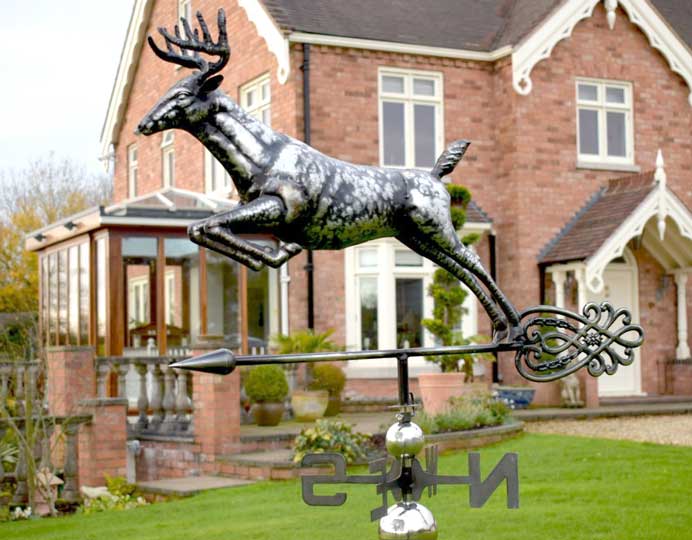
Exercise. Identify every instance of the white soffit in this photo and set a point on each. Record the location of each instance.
(540, 44)
(662, 205)
(272, 35)
(129, 58)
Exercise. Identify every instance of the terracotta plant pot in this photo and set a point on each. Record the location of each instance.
(309, 405)
(267, 414)
(437, 388)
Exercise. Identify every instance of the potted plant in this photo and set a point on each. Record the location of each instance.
(457, 371)
(307, 405)
(331, 378)
(267, 388)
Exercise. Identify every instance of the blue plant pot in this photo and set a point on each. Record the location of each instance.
(516, 398)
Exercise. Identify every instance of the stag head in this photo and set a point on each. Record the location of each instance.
(188, 101)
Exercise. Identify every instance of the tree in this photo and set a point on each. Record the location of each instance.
(448, 298)
(46, 190)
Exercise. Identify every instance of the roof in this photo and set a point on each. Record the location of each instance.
(591, 226)
(168, 207)
(475, 25)
(475, 214)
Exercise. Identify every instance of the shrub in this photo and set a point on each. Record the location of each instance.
(119, 486)
(266, 384)
(328, 377)
(466, 412)
(331, 436)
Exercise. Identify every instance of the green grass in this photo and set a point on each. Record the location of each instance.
(570, 488)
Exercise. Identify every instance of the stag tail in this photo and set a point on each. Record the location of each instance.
(449, 158)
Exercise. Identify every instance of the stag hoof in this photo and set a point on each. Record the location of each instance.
(500, 332)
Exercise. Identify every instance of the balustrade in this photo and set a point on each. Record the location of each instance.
(160, 397)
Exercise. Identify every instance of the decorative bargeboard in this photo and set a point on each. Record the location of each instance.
(309, 200)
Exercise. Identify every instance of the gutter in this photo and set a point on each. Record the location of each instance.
(309, 266)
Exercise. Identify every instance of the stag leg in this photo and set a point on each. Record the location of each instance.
(445, 261)
(263, 215)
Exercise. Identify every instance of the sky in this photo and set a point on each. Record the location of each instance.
(57, 68)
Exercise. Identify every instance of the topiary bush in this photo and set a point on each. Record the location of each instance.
(328, 377)
(266, 384)
(331, 436)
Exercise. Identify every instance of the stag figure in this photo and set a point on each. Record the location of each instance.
(301, 196)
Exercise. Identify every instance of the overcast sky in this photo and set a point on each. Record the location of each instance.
(57, 68)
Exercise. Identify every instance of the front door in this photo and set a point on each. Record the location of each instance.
(620, 291)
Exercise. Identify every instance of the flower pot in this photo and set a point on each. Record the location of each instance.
(267, 414)
(333, 405)
(437, 388)
(309, 405)
(517, 397)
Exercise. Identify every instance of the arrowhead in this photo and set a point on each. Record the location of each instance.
(220, 362)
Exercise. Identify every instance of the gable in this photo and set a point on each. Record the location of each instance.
(643, 13)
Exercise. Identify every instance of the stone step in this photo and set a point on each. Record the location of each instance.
(190, 485)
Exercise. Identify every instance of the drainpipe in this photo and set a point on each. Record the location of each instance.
(309, 267)
(492, 247)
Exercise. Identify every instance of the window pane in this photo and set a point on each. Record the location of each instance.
(368, 312)
(393, 85)
(53, 298)
(423, 87)
(250, 98)
(139, 247)
(424, 122)
(617, 146)
(588, 92)
(367, 258)
(615, 95)
(393, 133)
(45, 323)
(139, 262)
(223, 310)
(73, 313)
(409, 312)
(265, 92)
(101, 273)
(405, 257)
(62, 297)
(267, 116)
(258, 310)
(84, 290)
(181, 290)
(588, 132)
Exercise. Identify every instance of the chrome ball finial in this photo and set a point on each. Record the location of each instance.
(408, 520)
(404, 439)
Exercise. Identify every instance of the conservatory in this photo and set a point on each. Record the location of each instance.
(126, 280)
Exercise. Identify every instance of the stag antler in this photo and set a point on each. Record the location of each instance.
(193, 43)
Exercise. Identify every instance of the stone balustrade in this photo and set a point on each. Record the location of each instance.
(29, 418)
(159, 396)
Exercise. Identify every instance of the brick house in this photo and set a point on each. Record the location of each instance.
(567, 104)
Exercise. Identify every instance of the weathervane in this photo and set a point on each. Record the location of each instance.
(309, 200)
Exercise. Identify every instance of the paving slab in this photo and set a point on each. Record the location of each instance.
(190, 485)
(604, 411)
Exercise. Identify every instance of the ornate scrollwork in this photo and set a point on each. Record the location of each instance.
(558, 342)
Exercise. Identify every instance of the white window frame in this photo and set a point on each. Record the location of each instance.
(602, 108)
(168, 159)
(261, 109)
(138, 289)
(409, 100)
(217, 181)
(132, 170)
(185, 10)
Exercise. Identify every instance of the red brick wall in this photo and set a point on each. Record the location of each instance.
(102, 443)
(71, 378)
(249, 59)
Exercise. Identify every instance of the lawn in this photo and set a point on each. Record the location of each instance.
(570, 488)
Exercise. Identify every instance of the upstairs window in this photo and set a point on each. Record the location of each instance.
(216, 180)
(132, 170)
(168, 159)
(255, 98)
(411, 118)
(604, 122)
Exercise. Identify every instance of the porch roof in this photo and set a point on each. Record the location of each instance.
(639, 207)
(167, 207)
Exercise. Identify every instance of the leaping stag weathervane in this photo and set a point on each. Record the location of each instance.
(308, 200)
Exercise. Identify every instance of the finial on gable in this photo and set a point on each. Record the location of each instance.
(611, 6)
(660, 176)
